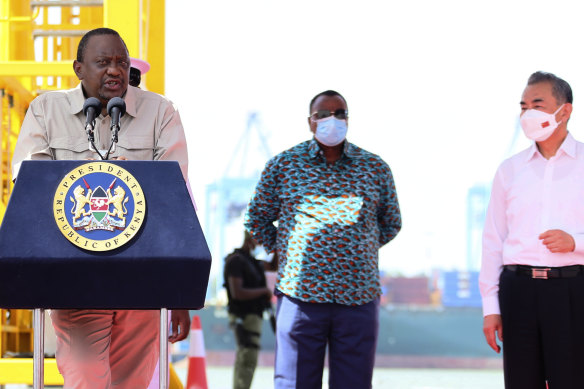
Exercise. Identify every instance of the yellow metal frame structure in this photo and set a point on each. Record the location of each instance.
(38, 43)
(19, 370)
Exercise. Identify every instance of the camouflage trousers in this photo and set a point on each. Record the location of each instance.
(247, 336)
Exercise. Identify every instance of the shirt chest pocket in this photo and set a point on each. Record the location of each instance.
(136, 148)
(69, 148)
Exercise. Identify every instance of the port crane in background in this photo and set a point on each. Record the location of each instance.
(227, 198)
(464, 285)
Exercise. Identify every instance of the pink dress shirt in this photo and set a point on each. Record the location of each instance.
(531, 195)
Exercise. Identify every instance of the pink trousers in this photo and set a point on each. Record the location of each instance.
(103, 349)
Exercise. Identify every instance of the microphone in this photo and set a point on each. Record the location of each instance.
(91, 109)
(116, 108)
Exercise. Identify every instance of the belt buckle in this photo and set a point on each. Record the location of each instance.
(541, 274)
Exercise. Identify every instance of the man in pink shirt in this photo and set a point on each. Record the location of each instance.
(532, 274)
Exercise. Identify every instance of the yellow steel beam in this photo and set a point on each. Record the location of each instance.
(141, 23)
(34, 68)
(154, 42)
(31, 18)
(174, 380)
(13, 86)
(123, 16)
(15, 30)
(19, 371)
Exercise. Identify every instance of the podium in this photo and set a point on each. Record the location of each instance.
(47, 241)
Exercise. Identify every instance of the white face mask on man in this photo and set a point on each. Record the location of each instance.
(330, 131)
(538, 125)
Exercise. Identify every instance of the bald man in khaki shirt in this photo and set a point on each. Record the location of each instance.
(102, 349)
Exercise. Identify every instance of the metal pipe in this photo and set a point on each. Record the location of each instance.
(14, 19)
(59, 33)
(66, 3)
(38, 325)
(163, 358)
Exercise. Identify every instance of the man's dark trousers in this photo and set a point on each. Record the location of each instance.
(304, 330)
(543, 331)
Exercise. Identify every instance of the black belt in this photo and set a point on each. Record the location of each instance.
(544, 273)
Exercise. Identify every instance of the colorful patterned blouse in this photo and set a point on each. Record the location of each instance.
(331, 221)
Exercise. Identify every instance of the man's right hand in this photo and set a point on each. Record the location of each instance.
(493, 327)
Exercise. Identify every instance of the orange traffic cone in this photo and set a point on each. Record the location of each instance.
(197, 375)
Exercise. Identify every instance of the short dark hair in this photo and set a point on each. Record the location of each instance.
(329, 93)
(560, 88)
(97, 31)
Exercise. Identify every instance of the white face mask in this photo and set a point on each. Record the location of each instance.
(330, 131)
(538, 125)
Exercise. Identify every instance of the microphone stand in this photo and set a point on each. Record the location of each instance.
(116, 108)
(112, 149)
(91, 139)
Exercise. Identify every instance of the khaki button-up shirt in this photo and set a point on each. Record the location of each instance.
(54, 128)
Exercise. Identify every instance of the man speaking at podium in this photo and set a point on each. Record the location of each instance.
(105, 348)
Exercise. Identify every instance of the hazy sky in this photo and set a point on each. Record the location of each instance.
(433, 87)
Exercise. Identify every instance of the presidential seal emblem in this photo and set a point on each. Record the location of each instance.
(99, 206)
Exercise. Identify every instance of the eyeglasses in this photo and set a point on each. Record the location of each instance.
(341, 114)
